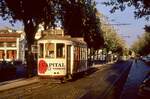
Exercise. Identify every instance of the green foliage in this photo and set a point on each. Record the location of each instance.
(113, 42)
(142, 45)
(147, 28)
(142, 7)
(77, 17)
(30, 12)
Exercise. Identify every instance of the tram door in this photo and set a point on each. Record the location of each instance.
(68, 59)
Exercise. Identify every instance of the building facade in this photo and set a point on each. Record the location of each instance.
(9, 45)
(13, 43)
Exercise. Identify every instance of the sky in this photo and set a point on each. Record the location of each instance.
(133, 30)
(130, 32)
(5, 24)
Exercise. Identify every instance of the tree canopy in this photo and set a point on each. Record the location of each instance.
(77, 17)
(80, 20)
(142, 7)
(142, 45)
(113, 42)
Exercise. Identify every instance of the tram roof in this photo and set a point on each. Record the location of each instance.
(66, 37)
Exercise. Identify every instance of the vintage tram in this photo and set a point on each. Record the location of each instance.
(61, 56)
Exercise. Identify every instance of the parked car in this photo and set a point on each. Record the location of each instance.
(144, 89)
(146, 59)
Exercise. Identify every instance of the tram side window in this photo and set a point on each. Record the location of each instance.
(41, 46)
(49, 47)
(60, 50)
(75, 53)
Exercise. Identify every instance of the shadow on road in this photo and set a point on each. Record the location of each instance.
(117, 79)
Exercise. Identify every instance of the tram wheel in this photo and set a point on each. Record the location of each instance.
(70, 77)
(63, 80)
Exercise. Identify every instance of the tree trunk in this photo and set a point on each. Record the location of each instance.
(30, 30)
(30, 60)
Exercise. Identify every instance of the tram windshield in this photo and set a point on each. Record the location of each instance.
(49, 49)
(60, 50)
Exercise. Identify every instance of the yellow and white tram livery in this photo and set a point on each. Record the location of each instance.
(60, 56)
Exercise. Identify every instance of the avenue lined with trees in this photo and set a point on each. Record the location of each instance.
(141, 10)
(78, 18)
(142, 45)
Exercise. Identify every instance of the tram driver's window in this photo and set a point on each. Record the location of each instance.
(60, 50)
(49, 47)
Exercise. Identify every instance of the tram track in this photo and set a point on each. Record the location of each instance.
(25, 87)
(110, 88)
(102, 91)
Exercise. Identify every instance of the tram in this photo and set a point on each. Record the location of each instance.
(61, 56)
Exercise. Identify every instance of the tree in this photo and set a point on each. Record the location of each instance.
(80, 20)
(30, 16)
(92, 31)
(147, 28)
(113, 42)
(75, 16)
(142, 7)
(141, 46)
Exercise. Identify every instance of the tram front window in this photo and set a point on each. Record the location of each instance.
(41, 47)
(49, 47)
(60, 52)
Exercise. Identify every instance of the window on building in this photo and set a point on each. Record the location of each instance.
(11, 44)
(1, 44)
(11, 54)
(60, 50)
(49, 49)
(2, 54)
(41, 48)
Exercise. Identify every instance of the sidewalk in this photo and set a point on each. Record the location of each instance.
(96, 65)
(7, 85)
(136, 75)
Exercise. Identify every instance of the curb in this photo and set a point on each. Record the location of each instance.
(123, 87)
(99, 65)
(4, 86)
